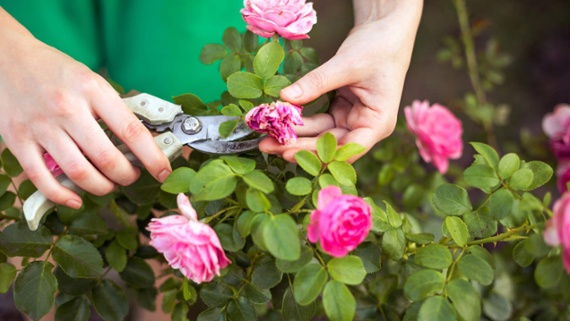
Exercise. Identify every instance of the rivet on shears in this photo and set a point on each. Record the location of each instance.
(191, 125)
(167, 141)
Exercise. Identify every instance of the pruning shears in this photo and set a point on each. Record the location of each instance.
(177, 129)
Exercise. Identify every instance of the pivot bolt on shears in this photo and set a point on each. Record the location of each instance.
(176, 130)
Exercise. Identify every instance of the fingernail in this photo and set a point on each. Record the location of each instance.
(293, 91)
(75, 204)
(163, 175)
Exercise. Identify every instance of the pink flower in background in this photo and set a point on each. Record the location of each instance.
(52, 166)
(340, 222)
(557, 230)
(187, 244)
(438, 133)
(276, 119)
(556, 126)
(557, 123)
(291, 19)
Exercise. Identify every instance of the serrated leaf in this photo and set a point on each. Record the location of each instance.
(488, 153)
(232, 110)
(266, 275)
(17, 240)
(436, 308)
(309, 162)
(497, 307)
(212, 314)
(476, 269)
(72, 286)
(548, 272)
(214, 181)
(457, 229)
(294, 266)
(78, 257)
(326, 147)
(348, 269)
(258, 180)
(245, 85)
(394, 243)
(500, 204)
(240, 165)
(240, 310)
(281, 237)
(433, 256)
(274, 85)
(7, 275)
(308, 283)
(542, 173)
(481, 176)
(338, 301)
(256, 200)
(508, 164)
(521, 255)
(451, 199)
(110, 301)
(299, 186)
(137, 273)
(291, 311)
(521, 179)
(10, 164)
(268, 59)
(232, 39)
(178, 181)
(210, 53)
(348, 150)
(34, 289)
(465, 299)
(4, 183)
(78, 309)
(423, 283)
(216, 294)
(480, 224)
(343, 172)
(227, 128)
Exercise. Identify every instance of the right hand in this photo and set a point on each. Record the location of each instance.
(51, 103)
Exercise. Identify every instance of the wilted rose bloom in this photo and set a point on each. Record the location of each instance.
(340, 222)
(52, 166)
(556, 126)
(187, 244)
(276, 119)
(291, 19)
(438, 133)
(557, 230)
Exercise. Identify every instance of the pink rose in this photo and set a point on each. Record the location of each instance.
(188, 245)
(556, 126)
(276, 119)
(557, 123)
(291, 19)
(557, 230)
(52, 166)
(438, 133)
(340, 222)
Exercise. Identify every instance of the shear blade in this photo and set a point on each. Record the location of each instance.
(226, 147)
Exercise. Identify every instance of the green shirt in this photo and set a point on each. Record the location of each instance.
(147, 45)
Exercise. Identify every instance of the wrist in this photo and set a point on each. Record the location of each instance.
(371, 10)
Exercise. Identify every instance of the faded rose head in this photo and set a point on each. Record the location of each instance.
(556, 126)
(438, 133)
(291, 19)
(340, 222)
(187, 244)
(276, 119)
(52, 166)
(557, 230)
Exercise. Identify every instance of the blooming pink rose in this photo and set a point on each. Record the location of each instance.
(276, 119)
(556, 126)
(188, 245)
(557, 230)
(340, 222)
(52, 166)
(438, 133)
(291, 19)
(558, 122)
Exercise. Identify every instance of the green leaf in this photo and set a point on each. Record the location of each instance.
(509, 164)
(230, 65)
(4, 183)
(229, 237)
(308, 283)
(291, 311)
(482, 253)
(78, 309)
(451, 199)
(281, 237)
(244, 222)
(338, 302)
(256, 200)
(257, 295)
(239, 165)
(480, 224)
(293, 62)
(7, 275)
(246, 105)
(116, 256)
(394, 219)
(327, 180)
(169, 301)
(394, 243)
(214, 181)
(25, 189)
(190, 102)
(457, 229)
(326, 147)
(346, 151)
(110, 301)
(309, 162)
(310, 54)
(232, 110)
(536, 246)
(497, 307)
(371, 256)
(180, 312)
(500, 204)
(343, 172)
(299, 186)
(216, 294)
(138, 273)
(178, 181)
(465, 299)
(245, 85)
(10, 163)
(542, 173)
(266, 275)
(88, 223)
(294, 266)
(548, 272)
(212, 314)
(227, 128)
(436, 308)
(476, 268)
(211, 53)
(433, 256)
(232, 39)
(521, 255)
(420, 238)
(7, 200)
(274, 85)
(488, 153)
(250, 41)
(78, 257)
(17, 240)
(521, 179)
(144, 191)
(72, 286)
(423, 283)
(258, 180)
(348, 269)
(481, 176)
(240, 310)
(34, 289)
(268, 59)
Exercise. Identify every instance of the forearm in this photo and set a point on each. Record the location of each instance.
(371, 10)
(10, 25)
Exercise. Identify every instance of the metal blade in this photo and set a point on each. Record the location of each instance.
(225, 147)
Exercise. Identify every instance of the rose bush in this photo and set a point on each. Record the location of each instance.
(385, 238)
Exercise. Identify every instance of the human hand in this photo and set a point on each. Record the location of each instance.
(51, 103)
(368, 72)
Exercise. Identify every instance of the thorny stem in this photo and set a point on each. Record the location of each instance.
(213, 216)
(472, 65)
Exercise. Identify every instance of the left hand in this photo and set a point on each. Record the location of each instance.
(368, 72)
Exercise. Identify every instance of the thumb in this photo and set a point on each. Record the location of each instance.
(330, 76)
